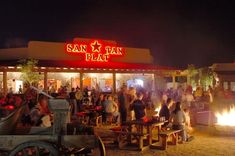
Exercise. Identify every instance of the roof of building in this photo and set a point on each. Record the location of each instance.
(94, 65)
(52, 54)
(223, 67)
(56, 51)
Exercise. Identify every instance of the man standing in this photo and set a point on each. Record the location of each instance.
(139, 107)
(78, 95)
(73, 101)
(123, 103)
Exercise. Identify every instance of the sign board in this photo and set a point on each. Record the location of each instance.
(94, 50)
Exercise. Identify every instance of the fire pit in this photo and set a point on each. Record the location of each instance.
(156, 115)
(225, 124)
(227, 117)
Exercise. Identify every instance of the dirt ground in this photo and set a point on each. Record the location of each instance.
(204, 144)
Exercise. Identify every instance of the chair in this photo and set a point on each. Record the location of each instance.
(109, 118)
(8, 123)
(98, 121)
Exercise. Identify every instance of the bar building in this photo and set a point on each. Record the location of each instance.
(226, 75)
(83, 63)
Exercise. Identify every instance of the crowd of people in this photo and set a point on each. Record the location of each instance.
(129, 103)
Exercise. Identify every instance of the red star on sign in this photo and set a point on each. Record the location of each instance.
(95, 46)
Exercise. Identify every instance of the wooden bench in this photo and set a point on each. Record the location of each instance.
(164, 135)
(124, 138)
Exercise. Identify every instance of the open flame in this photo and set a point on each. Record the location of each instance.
(157, 110)
(227, 117)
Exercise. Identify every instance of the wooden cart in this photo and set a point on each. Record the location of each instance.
(52, 141)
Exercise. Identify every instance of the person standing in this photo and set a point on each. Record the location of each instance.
(73, 101)
(139, 107)
(189, 99)
(20, 89)
(123, 103)
(131, 98)
(100, 103)
(78, 96)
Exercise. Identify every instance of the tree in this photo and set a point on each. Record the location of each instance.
(27, 69)
(207, 78)
(192, 72)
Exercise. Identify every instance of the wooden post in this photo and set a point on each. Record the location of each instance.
(229, 86)
(81, 81)
(45, 81)
(173, 81)
(175, 139)
(150, 135)
(141, 143)
(114, 83)
(4, 82)
(155, 82)
(164, 142)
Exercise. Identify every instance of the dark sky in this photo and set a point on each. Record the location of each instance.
(179, 32)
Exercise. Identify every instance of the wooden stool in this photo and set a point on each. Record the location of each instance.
(109, 118)
(98, 121)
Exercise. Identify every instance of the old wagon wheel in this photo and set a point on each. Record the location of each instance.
(98, 151)
(34, 148)
(123, 137)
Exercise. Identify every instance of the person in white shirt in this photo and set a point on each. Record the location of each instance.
(112, 108)
(40, 115)
(178, 120)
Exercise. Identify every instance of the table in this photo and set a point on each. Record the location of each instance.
(140, 125)
(88, 116)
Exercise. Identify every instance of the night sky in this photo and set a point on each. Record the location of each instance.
(179, 32)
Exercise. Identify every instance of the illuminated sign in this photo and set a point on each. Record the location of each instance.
(95, 50)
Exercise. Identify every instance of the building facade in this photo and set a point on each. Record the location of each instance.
(89, 63)
(225, 75)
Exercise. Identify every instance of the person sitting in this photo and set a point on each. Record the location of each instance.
(165, 110)
(139, 107)
(40, 114)
(100, 100)
(178, 120)
(111, 108)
